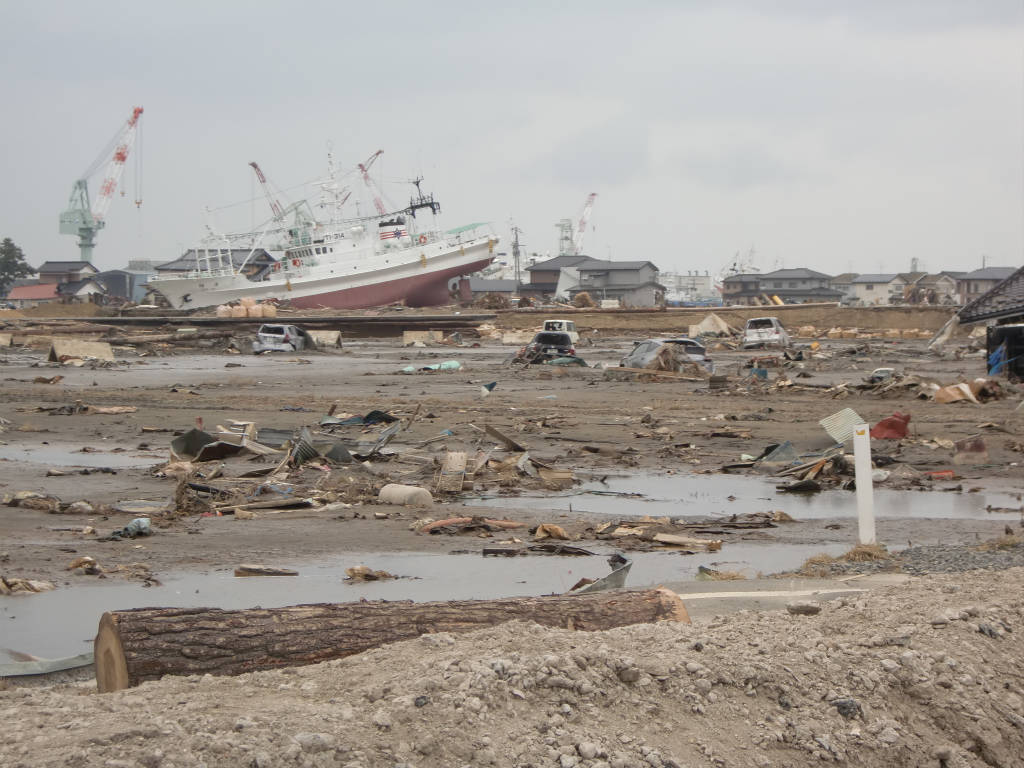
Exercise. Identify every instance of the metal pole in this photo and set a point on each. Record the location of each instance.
(865, 485)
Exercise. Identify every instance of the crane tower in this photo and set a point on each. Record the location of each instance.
(570, 237)
(84, 219)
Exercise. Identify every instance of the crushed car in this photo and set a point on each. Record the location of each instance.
(275, 337)
(667, 354)
(764, 332)
(547, 345)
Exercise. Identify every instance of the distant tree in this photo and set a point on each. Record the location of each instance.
(12, 265)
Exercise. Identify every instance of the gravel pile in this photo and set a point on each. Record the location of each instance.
(924, 674)
(930, 558)
(939, 558)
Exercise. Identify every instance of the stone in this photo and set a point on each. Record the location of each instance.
(568, 761)
(888, 735)
(848, 708)
(803, 608)
(588, 750)
(314, 742)
(629, 674)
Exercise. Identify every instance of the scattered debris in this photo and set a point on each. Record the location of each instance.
(263, 570)
(10, 585)
(839, 426)
(405, 495)
(362, 573)
(447, 365)
(970, 450)
(63, 350)
(615, 580)
(892, 427)
(550, 531)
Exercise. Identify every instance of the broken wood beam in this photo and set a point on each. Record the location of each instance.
(143, 644)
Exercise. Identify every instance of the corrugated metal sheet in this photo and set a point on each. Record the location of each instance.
(839, 426)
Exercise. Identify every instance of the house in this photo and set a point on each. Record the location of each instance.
(80, 291)
(690, 287)
(33, 294)
(633, 283)
(799, 286)
(65, 271)
(979, 282)
(1004, 302)
(126, 284)
(844, 284)
(742, 289)
(877, 288)
(255, 267)
(480, 287)
(50, 292)
(792, 286)
(939, 288)
(545, 275)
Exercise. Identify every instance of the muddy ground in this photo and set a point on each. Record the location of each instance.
(926, 673)
(666, 439)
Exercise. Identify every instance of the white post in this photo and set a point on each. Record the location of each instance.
(865, 485)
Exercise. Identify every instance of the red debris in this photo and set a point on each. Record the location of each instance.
(891, 428)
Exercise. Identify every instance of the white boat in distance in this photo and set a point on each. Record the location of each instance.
(343, 264)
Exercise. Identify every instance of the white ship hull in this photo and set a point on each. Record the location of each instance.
(354, 275)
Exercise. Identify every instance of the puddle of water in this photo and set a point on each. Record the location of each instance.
(63, 622)
(707, 495)
(70, 455)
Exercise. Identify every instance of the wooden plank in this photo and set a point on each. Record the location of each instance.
(508, 442)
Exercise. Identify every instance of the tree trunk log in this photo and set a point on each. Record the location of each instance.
(146, 643)
(167, 338)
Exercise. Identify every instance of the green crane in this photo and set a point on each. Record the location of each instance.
(84, 219)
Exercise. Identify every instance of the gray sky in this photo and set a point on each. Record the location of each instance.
(835, 135)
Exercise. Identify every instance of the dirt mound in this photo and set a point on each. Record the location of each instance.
(924, 674)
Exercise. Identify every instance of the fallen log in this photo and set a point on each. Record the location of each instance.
(146, 643)
(167, 338)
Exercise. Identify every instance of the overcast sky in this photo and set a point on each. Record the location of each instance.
(841, 136)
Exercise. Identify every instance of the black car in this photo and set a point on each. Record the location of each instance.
(547, 345)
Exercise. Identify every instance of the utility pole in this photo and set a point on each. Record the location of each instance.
(515, 250)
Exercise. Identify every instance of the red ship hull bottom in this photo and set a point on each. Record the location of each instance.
(421, 291)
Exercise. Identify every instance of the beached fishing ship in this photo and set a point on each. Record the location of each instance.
(340, 263)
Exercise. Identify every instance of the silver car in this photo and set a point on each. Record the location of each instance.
(280, 338)
(764, 332)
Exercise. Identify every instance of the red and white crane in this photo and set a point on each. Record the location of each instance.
(581, 226)
(84, 219)
(116, 166)
(364, 168)
(275, 206)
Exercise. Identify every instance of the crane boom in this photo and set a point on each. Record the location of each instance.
(116, 166)
(364, 168)
(581, 226)
(85, 219)
(275, 206)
